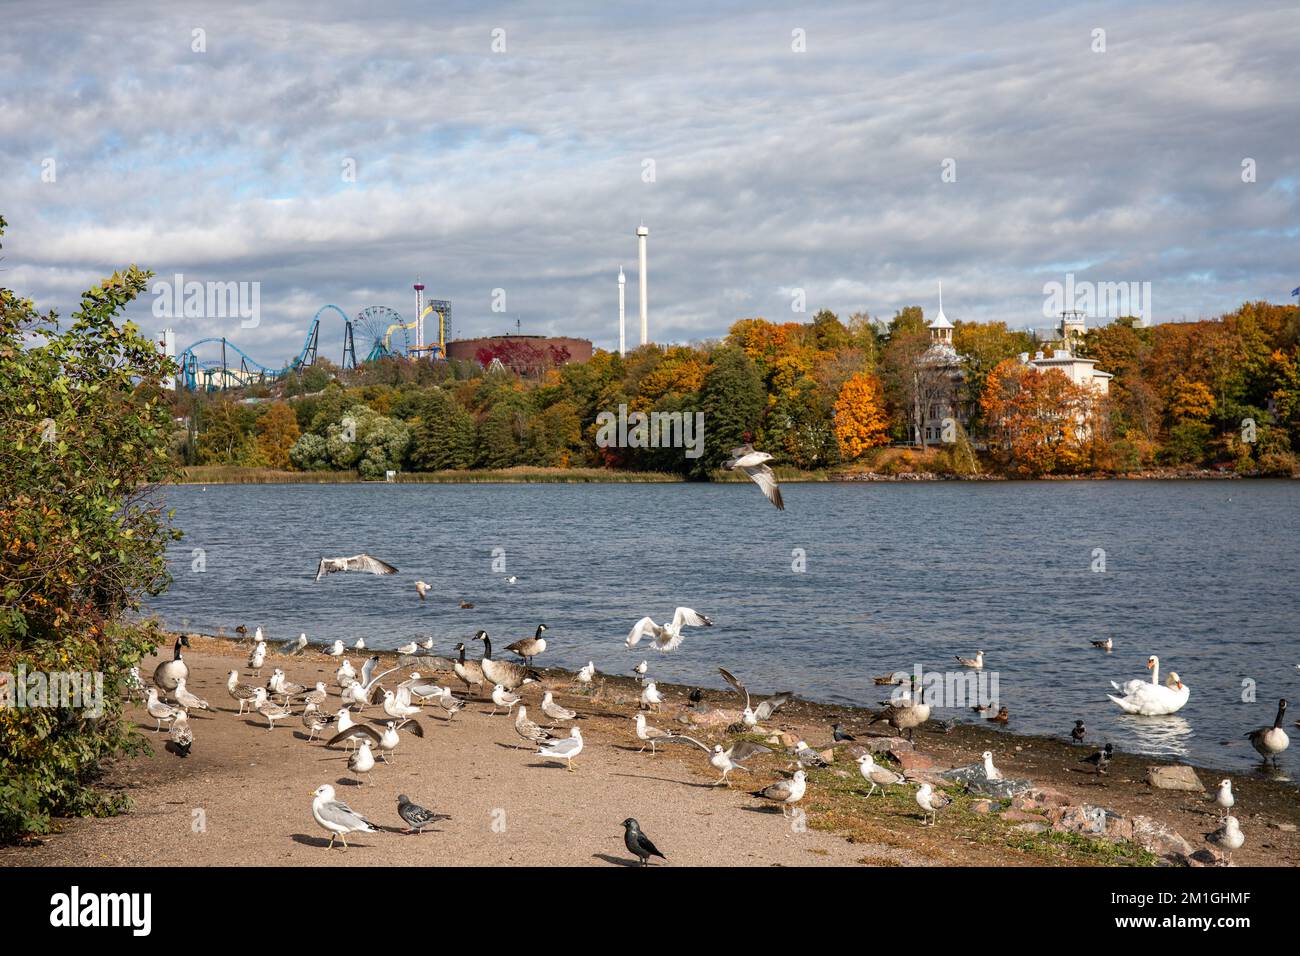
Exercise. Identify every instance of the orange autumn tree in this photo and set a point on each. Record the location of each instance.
(860, 420)
(1039, 422)
(277, 430)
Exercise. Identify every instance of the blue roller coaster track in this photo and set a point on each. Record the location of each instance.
(234, 367)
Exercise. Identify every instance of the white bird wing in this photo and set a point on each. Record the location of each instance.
(364, 562)
(340, 814)
(682, 738)
(734, 681)
(640, 629)
(744, 749)
(561, 747)
(765, 478)
(780, 790)
(771, 706)
(689, 617)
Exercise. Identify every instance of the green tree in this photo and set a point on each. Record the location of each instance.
(443, 436)
(83, 440)
(732, 399)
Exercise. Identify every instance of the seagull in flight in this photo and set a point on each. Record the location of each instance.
(754, 464)
(723, 761)
(358, 562)
(667, 636)
(751, 717)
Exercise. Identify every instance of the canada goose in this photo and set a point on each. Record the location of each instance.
(358, 562)
(506, 673)
(905, 714)
(530, 647)
(754, 464)
(336, 817)
(167, 673)
(667, 636)
(786, 793)
(470, 672)
(566, 748)
(1271, 741)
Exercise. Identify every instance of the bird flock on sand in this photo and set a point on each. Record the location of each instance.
(369, 742)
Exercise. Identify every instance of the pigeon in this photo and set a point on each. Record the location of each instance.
(415, 816)
(638, 843)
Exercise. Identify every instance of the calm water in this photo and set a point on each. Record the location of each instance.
(1201, 573)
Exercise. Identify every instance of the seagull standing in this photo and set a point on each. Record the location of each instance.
(638, 843)
(363, 761)
(566, 748)
(186, 699)
(180, 736)
(294, 647)
(650, 697)
(271, 711)
(879, 777)
(754, 464)
(1229, 837)
(158, 710)
(647, 734)
(336, 817)
(585, 674)
(337, 649)
(554, 711)
(257, 658)
(1224, 797)
(667, 636)
(785, 792)
(528, 730)
(503, 698)
(931, 802)
(244, 693)
(640, 669)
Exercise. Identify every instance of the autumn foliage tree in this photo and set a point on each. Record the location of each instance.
(1039, 422)
(860, 420)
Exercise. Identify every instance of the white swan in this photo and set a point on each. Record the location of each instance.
(1131, 686)
(1155, 700)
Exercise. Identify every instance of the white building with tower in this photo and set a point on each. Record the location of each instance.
(937, 381)
(622, 312)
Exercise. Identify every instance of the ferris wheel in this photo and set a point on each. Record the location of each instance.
(380, 331)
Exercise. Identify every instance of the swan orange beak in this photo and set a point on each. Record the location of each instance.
(1148, 665)
(1180, 684)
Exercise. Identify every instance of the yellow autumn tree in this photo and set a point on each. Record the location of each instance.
(860, 421)
(277, 430)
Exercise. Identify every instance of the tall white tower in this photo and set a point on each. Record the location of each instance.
(641, 233)
(167, 343)
(622, 312)
(419, 315)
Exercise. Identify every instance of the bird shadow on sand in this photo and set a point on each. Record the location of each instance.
(767, 810)
(616, 860)
(323, 842)
(548, 765)
(683, 783)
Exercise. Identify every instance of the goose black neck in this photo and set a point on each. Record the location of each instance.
(176, 650)
(540, 629)
(1281, 710)
(487, 647)
(462, 653)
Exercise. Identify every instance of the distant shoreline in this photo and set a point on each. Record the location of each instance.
(237, 475)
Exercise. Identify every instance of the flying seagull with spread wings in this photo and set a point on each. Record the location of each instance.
(754, 464)
(358, 562)
(751, 716)
(666, 636)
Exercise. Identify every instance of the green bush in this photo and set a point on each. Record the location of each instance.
(84, 432)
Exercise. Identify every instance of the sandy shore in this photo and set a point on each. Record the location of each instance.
(243, 796)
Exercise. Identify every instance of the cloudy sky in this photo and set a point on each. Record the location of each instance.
(791, 150)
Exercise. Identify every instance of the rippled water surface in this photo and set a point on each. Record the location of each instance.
(897, 575)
